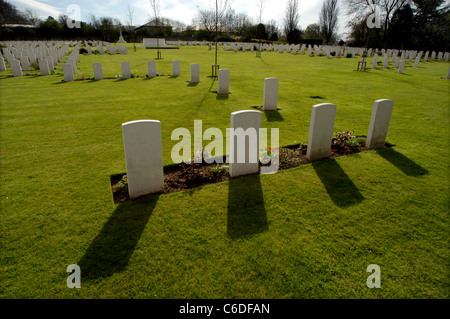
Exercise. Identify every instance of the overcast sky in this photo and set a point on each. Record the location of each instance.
(182, 10)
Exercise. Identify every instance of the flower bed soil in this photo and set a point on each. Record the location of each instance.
(179, 177)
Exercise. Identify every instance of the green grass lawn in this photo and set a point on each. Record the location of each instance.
(267, 236)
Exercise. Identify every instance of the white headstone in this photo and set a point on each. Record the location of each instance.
(244, 142)
(401, 66)
(25, 63)
(224, 81)
(379, 123)
(16, 68)
(195, 73)
(2, 65)
(416, 62)
(143, 156)
(385, 62)
(68, 72)
(375, 61)
(151, 65)
(100, 49)
(51, 64)
(126, 72)
(270, 94)
(43, 67)
(98, 71)
(396, 61)
(321, 131)
(175, 68)
(448, 73)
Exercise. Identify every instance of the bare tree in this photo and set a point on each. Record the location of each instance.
(130, 16)
(271, 27)
(261, 6)
(291, 20)
(32, 17)
(329, 20)
(384, 8)
(206, 19)
(155, 8)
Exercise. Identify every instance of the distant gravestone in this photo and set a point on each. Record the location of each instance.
(375, 61)
(51, 64)
(379, 123)
(224, 82)
(270, 101)
(98, 71)
(175, 68)
(25, 63)
(43, 67)
(448, 73)
(143, 156)
(401, 66)
(195, 73)
(321, 131)
(385, 62)
(68, 72)
(396, 61)
(126, 72)
(2, 65)
(151, 65)
(244, 142)
(100, 49)
(16, 68)
(416, 62)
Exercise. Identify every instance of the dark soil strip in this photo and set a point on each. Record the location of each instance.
(179, 177)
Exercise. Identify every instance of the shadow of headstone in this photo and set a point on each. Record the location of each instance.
(403, 163)
(342, 191)
(273, 116)
(246, 210)
(111, 250)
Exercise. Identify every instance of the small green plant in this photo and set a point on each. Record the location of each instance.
(342, 138)
(122, 185)
(83, 51)
(220, 169)
(303, 147)
(349, 55)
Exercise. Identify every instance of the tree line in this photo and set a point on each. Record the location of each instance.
(401, 24)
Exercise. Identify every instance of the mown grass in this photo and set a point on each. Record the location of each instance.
(269, 236)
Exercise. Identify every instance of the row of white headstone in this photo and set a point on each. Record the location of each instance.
(28, 54)
(399, 62)
(331, 51)
(70, 67)
(143, 144)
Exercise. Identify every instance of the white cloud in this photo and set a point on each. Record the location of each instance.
(43, 10)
